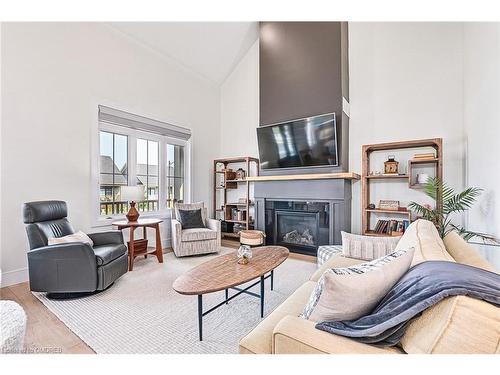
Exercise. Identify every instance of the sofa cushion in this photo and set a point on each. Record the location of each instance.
(351, 292)
(464, 253)
(456, 325)
(106, 253)
(260, 339)
(293, 335)
(424, 237)
(198, 234)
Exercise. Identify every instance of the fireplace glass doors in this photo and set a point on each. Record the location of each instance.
(299, 226)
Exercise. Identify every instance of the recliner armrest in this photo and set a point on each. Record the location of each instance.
(105, 238)
(176, 233)
(70, 249)
(63, 267)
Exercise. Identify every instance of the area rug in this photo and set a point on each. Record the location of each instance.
(141, 313)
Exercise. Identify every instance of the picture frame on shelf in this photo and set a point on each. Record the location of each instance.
(386, 204)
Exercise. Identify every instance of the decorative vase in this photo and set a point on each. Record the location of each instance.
(132, 214)
(240, 174)
(244, 254)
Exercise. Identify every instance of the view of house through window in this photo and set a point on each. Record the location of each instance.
(175, 174)
(147, 173)
(113, 172)
(158, 166)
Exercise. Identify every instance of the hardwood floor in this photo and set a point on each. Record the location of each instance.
(45, 333)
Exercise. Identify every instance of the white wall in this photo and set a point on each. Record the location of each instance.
(405, 83)
(53, 75)
(482, 126)
(240, 107)
(1, 174)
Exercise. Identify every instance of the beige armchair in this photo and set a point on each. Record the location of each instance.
(197, 240)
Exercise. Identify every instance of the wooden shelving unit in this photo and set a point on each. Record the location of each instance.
(437, 162)
(228, 183)
(312, 176)
(387, 176)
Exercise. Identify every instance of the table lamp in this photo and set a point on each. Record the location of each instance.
(132, 194)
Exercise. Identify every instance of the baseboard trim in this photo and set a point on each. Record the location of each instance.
(13, 277)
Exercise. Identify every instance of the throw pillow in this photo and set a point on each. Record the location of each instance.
(367, 247)
(191, 206)
(190, 219)
(75, 237)
(352, 292)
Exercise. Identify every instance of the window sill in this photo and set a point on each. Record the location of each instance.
(106, 221)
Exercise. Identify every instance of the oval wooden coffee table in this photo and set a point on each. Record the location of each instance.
(224, 273)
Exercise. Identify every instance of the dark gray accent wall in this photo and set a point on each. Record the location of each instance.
(303, 72)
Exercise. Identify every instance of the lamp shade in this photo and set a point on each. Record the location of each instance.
(132, 193)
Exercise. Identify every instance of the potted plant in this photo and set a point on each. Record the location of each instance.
(451, 202)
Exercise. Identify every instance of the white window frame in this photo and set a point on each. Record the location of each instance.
(133, 134)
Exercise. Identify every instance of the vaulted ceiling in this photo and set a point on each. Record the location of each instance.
(210, 49)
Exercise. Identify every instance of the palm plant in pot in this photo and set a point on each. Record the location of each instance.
(451, 203)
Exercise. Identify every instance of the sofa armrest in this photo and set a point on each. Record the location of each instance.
(63, 267)
(294, 335)
(105, 238)
(214, 225)
(176, 232)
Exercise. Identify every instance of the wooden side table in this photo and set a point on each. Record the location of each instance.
(144, 224)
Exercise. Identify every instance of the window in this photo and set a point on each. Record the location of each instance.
(132, 156)
(147, 169)
(175, 174)
(113, 172)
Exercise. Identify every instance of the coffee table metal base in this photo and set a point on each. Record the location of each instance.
(202, 313)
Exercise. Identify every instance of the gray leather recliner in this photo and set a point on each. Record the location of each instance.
(70, 267)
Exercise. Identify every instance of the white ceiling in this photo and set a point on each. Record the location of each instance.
(211, 49)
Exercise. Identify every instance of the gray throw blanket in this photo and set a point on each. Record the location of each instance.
(420, 288)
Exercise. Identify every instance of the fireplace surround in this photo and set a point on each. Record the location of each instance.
(302, 215)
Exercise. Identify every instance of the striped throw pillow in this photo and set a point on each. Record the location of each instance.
(367, 247)
(352, 292)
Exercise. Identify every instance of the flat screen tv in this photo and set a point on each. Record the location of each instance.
(308, 142)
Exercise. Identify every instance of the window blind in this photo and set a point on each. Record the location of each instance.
(130, 120)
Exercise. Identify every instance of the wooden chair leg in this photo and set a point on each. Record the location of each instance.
(131, 250)
(159, 252)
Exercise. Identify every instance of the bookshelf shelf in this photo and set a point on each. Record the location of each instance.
(378, 210)
(231, 235)
(375, 234)
(225, 179)
(238, 221)
(437, 162)
(424, 161)
(388, 177)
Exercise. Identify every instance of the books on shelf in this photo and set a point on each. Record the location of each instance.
(391, 227)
